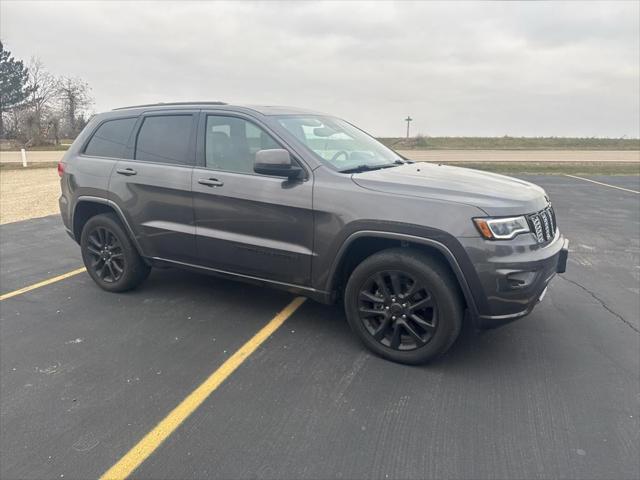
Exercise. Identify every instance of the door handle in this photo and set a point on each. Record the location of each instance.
(211, 182)
(126, 171)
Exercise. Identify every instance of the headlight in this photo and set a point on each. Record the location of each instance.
(501, 228)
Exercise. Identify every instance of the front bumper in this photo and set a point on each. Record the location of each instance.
(514, 275)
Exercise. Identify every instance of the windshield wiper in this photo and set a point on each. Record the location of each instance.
(368, 168)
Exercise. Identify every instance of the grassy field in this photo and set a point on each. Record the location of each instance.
(547, 168)
(458, 143)
(510, 143)
(38, 148)
(13, 146)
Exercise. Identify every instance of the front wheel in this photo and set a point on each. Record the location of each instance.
(109, 256)
(404, 305)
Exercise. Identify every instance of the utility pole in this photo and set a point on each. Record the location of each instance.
(408, 119)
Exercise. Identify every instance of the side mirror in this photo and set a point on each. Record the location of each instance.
(276, 162)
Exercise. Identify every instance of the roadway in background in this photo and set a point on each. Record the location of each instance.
(430, 156)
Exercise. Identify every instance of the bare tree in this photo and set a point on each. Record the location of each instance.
(73, 94)
(50, 107)
(42, 88)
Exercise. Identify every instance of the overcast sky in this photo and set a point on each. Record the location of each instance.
(552, 69)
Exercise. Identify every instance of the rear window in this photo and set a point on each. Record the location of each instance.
(111, 138)
(165, 139)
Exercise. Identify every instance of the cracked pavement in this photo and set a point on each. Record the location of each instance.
(604, 305)
(603, 227)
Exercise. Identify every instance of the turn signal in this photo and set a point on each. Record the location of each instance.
(481, 223)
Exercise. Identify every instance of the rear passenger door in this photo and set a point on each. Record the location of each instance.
(247, 223)
(98, 157)
(153, 185)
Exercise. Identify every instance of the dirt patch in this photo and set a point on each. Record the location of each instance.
(28, 193)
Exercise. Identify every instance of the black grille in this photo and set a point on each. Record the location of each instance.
(543, 224)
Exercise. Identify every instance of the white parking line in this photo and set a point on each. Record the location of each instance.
(604, 184)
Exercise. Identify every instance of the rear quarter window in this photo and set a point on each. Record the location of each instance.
(110, 139)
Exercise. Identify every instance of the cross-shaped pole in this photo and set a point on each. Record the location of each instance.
(408, 119)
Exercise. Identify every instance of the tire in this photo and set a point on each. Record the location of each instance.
(109, 255)
(397, 282)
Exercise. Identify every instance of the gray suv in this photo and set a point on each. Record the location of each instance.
(311, 204)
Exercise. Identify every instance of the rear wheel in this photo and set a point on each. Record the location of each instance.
(109, 256)
(404, 305)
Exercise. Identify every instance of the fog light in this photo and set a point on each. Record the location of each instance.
(517, 280)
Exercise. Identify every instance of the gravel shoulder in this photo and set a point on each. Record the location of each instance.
(28, 193)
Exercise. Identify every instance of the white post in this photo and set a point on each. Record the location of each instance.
(24, 157)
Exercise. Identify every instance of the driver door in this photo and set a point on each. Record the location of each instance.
(246, 223)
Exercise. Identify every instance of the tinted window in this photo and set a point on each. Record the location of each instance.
(111, 138)
(165, 139)
(231, 143)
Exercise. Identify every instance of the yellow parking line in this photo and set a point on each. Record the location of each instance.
(600, 183)
(152, 440)
(43, 283)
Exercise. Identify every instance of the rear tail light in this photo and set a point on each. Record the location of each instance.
(60, 169)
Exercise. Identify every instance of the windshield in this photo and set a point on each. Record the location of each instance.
(339, 143)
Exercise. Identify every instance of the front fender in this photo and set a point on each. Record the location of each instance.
(446, 244)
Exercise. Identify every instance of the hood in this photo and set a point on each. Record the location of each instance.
(493, 193)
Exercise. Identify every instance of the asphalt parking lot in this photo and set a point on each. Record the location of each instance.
(85, 374)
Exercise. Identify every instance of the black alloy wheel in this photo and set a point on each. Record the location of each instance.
(109, 255)
(404, 305)
(105, 252)
(397, 310)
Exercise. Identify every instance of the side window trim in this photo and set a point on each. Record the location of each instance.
(191, 152)
(97, 127)
(201, 160)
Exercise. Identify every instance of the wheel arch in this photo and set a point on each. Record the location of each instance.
(87, 207)
(362, 244)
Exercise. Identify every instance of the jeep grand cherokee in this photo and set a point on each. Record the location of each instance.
(309, 203)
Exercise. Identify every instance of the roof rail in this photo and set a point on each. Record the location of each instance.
(162, 104)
